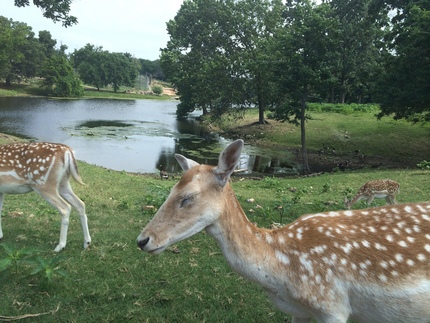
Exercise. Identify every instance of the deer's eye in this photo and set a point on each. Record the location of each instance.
(186, 201)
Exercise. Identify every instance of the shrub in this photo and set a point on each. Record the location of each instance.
(157, 89)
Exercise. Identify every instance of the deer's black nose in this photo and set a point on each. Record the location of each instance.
(142, 243)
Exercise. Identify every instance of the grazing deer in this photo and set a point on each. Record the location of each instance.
(367, 265)
(381, 188)
(44, 168)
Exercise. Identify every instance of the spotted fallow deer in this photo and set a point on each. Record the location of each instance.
(369, 265)
(381, 188)
(44, 168)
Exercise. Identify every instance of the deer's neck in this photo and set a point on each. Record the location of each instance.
(249, 250)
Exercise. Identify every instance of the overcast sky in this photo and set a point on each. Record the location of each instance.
(137, 27)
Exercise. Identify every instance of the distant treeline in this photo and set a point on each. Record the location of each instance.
(23, 55)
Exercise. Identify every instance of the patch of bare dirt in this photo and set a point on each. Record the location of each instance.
(169, 91)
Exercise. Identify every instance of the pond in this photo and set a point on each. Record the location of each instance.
(131, 135)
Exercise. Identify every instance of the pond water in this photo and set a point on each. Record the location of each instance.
(131, 135)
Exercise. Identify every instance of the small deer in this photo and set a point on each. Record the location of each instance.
(44, 168)
(381, 188)
(368, 265)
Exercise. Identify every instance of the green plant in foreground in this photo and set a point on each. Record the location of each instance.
(48, 268)
(14, 257)
(424, 165)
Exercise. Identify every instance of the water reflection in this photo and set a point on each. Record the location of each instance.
(130, 135)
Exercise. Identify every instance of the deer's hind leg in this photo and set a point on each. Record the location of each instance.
(69, 195)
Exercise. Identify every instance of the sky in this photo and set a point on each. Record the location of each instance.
(137, 27)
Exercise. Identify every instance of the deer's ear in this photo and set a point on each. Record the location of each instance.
(228, 160)
(185, 163)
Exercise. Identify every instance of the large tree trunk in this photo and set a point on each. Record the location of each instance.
(260, 100)
(8, 80)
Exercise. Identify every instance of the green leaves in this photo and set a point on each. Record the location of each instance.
(99, 68)
(56, 10)
(14, 257)
(48, 268)
(28, 258)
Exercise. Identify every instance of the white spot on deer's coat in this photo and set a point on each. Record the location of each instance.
(425, 217)
(421, 257)
(383, 278)
(365, 243)
(347, 248)
(402, 244)
(378, 246)
(399, 257)
(427, 247)
(282, 257)
(306, 263)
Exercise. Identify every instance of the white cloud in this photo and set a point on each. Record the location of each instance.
(134, 26)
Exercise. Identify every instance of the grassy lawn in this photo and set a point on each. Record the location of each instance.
(395, 144)
(32, 89)
(191, 282)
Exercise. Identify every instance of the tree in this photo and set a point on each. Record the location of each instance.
(355, 61)
(405, 85)
(256, 23)
(302, 49)
(99, 68)
(56, 10)
(121, 70)
(90, 62)
(217, 56)
(151, 68)
(60, 79)
(21, 54)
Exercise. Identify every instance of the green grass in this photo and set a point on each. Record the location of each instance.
(346, 132)
(33, 89)
(190, 282)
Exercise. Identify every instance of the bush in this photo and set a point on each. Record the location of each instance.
(342, 108)
(157, 89)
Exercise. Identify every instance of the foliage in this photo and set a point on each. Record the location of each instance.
(14, 257)
(342, 108)
(424, 165)
(157, 89)
(60, 79)
(404, 89)
(217, 56)
(21, 54)
(30, 258)
(56, 10)
(151, 68)
(48, 268)
(99, 68)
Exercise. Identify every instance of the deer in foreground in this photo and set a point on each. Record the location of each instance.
(44, 168)
(369, 265)
(381, 188)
